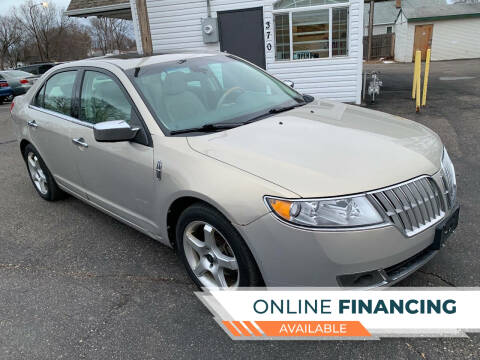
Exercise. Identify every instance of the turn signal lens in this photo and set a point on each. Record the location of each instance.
(281, 207)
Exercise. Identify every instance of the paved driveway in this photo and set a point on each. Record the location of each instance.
(74, 283)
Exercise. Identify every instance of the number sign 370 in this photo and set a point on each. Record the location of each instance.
(268, 34)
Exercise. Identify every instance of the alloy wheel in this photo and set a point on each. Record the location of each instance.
(38, 175)
(210, 256)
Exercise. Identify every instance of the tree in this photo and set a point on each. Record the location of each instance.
(40, 23)
(110, 34)
(10, 37)
(37, 33)
(73, 43)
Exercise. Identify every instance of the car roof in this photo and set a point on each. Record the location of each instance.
(133, 60)
(36, 64)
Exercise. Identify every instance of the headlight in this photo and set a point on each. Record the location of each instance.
(329, 213)
(449, 175)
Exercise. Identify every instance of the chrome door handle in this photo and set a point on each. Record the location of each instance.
(80, 141)
(32, 123)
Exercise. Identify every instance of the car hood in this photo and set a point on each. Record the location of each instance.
(327, 149)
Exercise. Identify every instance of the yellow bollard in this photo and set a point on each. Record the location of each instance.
(425, 78)
(414, 82)
(418, 70)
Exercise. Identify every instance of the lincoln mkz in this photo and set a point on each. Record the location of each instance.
(250, 181)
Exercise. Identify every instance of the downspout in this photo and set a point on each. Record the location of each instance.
(209, 10)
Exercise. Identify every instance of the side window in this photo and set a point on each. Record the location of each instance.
(103, 100)
(38, 101)
(58, 92)
(43, 69)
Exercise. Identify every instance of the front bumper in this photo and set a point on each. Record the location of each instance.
(289, 256)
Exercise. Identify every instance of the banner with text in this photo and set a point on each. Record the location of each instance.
(321, 314)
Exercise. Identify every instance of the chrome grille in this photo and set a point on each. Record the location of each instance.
(412, 206)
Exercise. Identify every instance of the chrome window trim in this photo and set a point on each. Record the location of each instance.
(61, 116)
(387, 222)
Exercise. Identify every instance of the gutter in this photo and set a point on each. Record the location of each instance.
(98, 9)
(445, 17)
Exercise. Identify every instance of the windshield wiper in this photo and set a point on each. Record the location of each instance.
(284, 108)
(206, 128)
(225, 125)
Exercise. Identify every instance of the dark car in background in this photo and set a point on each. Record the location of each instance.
(19, 81)
(6, 92)
(38, 69)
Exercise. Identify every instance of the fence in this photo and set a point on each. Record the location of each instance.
(382, 46)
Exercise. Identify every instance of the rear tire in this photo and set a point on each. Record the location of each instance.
(212, 250)
(42, 179)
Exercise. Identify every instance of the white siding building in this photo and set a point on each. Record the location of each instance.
(317, 44)
(451, 31)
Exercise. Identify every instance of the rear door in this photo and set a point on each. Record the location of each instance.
(50, 124)
(241, 34)
(117, 176)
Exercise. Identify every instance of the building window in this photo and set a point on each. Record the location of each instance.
(339, 31)
(310, 29)
(389, 29)
(282, 37)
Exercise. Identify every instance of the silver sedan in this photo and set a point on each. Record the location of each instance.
(250, 181)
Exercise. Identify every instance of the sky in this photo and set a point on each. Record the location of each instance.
(5, 5)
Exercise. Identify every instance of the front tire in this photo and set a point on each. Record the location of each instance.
(41, 177)
(212, 250)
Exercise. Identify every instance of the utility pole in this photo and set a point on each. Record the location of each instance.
(144, 26)
(370, 29)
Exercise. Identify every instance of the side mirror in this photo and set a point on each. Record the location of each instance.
(289, 83)
(111, 131)
(308, 98)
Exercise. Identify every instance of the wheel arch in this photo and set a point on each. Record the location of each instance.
(183, 202)
(23, 145)
(177, 207)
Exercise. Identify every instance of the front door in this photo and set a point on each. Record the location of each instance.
(117, 176)
(423, 39)
(241, 34)
(50, 126)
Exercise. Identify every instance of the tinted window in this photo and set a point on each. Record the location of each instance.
(43, 69)
(31, 69)
(58, 92)
(103, 99)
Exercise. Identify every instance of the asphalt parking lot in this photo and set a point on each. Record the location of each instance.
(75, 283)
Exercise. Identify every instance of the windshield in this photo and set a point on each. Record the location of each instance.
(195, 92)
(16, 74)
